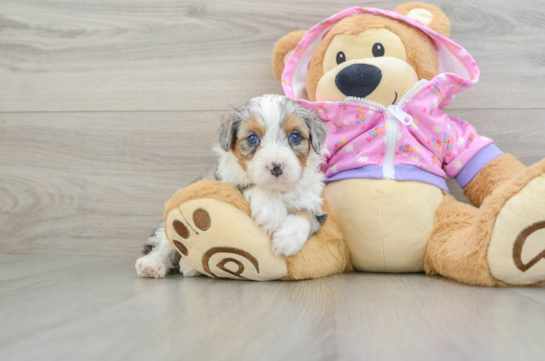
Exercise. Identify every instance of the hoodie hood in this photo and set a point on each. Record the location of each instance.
(456, 65)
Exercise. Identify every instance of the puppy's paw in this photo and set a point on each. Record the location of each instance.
(269, 217)
(187, 270)
(150, 267)
(291, 236)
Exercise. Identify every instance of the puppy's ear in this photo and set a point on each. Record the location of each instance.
(283, 49)
(228, 129)
(426, 14)
(317, 129)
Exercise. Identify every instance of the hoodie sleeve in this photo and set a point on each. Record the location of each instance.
(467, 152)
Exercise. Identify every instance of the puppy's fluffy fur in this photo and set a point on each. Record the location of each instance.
(270, 149)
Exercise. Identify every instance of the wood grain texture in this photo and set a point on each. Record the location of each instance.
(91, 308)
(132, 55)
(95, 183)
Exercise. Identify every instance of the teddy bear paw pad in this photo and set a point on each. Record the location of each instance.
(516, 254)
(220, 241)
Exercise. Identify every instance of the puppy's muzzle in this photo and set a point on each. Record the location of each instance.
(358, 80)
(276, 169)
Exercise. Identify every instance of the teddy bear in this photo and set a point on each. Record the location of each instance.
(379, 79)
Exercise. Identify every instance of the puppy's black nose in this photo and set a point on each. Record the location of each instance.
(276, 169)
(358, 80)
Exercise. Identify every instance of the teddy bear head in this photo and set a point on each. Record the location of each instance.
(369, 56)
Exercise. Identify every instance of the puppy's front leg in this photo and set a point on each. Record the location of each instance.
(295, 231)
(268, 211)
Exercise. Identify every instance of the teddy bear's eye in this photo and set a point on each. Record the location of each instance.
(378, 50)
(341, 58)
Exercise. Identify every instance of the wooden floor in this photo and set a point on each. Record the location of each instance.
(107, 108)
(96, 308)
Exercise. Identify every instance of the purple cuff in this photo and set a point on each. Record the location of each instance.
(475, 164)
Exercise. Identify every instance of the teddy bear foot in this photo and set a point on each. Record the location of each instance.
(221, 241)
(516, 252)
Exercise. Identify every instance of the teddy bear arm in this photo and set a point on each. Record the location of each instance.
(495, 173)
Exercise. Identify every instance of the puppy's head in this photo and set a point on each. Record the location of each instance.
(273, 140)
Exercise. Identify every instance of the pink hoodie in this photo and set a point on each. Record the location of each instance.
(413, 140)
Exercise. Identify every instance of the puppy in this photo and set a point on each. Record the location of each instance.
(270, 149)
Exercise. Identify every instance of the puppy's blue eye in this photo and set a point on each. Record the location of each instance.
(295, 138)
(252, 139)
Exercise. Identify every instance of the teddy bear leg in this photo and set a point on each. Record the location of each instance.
(452, 250)
(209, 224)
(501, 243)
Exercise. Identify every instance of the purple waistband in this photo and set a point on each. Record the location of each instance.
(406, 172)
(403, 172)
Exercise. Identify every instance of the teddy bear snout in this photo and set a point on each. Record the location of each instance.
(358, 80)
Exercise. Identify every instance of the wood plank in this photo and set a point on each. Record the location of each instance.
(90, 308)
(130, 55)
(95, 183)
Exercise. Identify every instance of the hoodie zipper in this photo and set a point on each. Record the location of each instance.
(394, 114)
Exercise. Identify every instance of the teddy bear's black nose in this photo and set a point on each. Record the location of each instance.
(358, 80)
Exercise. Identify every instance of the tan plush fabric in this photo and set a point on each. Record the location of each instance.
(439, 21)
(205, 188)
(494, 174)
(457, 249)
(386, 223)
(459, 244)
(526, 210)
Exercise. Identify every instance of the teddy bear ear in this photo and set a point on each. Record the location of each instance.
(283, 49)
(426, 14)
